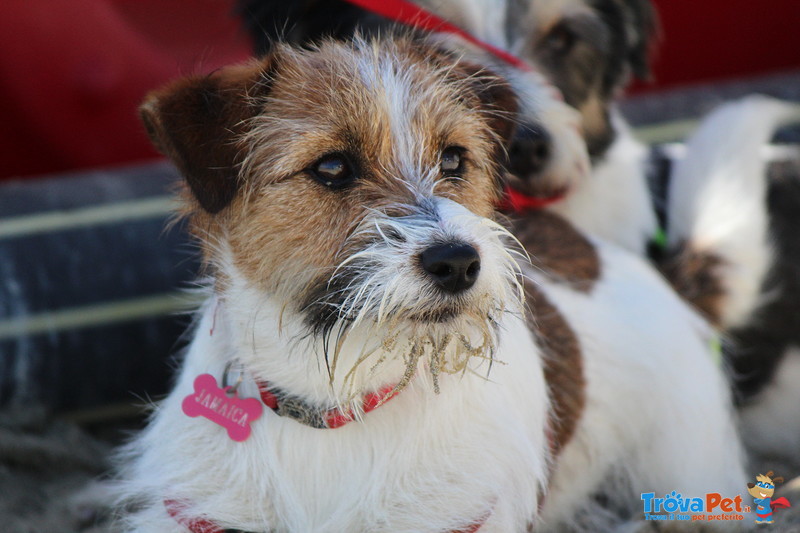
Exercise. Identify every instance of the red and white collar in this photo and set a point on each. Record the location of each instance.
(176, 508)
(317, 417)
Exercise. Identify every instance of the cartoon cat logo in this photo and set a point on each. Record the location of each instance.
(762, 491)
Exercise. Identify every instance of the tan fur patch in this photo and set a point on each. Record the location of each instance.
(563, 365)
(289, 219)
(693, 275)
(595, 115)
(391, 107)
(558, 249)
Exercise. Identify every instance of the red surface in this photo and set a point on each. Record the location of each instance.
(72, 74)
(706, 40)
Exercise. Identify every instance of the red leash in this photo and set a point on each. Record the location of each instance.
(413, 15)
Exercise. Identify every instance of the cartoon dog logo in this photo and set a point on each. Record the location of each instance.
(762, 491)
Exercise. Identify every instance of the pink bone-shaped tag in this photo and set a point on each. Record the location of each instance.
(229, 411)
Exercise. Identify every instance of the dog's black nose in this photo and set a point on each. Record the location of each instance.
(454, 266)
(530, 151)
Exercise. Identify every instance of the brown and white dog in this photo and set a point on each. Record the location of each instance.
(727, 255)
(421, 374)
(589, 50)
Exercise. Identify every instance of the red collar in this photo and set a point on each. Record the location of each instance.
(175, 509)
(296, 408)
(410, 14)
(516, 201)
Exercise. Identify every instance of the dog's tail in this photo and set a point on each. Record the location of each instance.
(718, 241)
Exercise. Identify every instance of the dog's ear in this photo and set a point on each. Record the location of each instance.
(751, 485)
(493, 93)
(642, 30)
(306, 21)
(496, 97)
(197, 121)
(778, 479)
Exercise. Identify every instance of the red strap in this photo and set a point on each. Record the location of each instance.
(268, 397)
(518, 202)
(413, 15)
(475, 527)
(175, 509)
(335, 418)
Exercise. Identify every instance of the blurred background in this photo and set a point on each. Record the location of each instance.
(92, 285)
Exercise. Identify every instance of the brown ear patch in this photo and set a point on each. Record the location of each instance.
(495, 95)
(497, 98)
(563, 365)
(558, 249)
(694, 275)
(196, 122)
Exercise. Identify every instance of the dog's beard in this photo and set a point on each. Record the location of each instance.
(381, 292)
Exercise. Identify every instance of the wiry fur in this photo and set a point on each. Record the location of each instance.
(652, 387)
(296, 263)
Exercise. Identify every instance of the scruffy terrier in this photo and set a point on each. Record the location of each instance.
(419, 373)
(730, 231)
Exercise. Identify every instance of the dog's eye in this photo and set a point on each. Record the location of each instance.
(333, 170)
(452, 163)
(561, 39)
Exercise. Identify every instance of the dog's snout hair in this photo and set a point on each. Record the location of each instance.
(380, 277)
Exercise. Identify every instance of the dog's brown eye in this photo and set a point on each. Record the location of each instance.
(451, 160)
(333, 170)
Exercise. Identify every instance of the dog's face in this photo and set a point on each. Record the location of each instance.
(587, 49)
(353, 183)
(761, 489)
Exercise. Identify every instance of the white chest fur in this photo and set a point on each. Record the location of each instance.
(422, 462)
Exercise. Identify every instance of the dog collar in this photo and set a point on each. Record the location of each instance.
(297, 409)
(410, 14)
(175, 510)
(516, 201)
